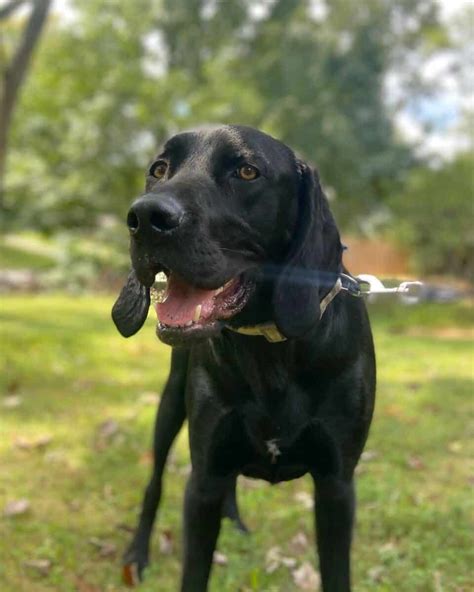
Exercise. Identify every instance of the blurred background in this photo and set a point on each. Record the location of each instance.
(378, 94)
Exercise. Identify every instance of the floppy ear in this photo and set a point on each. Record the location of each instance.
(315, 255)
(131, 308)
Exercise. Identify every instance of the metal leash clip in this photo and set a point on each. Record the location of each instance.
(369, 284)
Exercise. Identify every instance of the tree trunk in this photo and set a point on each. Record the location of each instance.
(14, 75)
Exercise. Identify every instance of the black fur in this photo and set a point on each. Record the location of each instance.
(313, 393)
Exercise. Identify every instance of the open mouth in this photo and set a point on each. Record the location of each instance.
(184, 310)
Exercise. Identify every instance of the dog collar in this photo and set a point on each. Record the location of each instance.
(271, 332)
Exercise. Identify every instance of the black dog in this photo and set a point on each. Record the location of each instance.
(273, 363)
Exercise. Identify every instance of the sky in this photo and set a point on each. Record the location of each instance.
(435, 123)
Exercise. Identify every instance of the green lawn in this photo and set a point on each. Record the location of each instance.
(67, 372)
(12, 257)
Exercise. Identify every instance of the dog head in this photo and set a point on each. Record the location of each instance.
(242, 231)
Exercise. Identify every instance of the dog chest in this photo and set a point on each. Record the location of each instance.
(257, 446)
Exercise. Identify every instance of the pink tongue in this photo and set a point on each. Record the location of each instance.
(179, 308)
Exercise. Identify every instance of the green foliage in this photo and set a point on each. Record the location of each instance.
(434, 217)
(323, 88)
(110, 84)
(72, 371)
(76, 262)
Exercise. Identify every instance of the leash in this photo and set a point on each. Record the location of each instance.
(366, 285)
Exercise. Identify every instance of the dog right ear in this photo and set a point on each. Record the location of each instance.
(131, 308)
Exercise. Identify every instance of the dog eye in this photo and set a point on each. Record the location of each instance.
(247, 172)
(159, 169)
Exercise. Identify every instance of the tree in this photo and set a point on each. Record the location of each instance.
(13, 74)
(322, 81)
(105, 93)
(110, 86)
(433, 216)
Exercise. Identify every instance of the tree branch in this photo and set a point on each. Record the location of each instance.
(5, 11)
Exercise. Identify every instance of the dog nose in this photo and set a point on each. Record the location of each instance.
(155, 214)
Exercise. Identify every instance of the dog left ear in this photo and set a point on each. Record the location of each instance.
(131, 308)
(315, 255)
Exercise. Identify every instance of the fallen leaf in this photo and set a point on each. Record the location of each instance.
(376, 573)
(272, 559)
(305, 499)
(166, 542)
(146, 458)
(13, 385)
(106, 433)
(306, 577)
(16, 507)
(415, 463)
(108, 428)
(299, 543)
(41, 566)
(275, 559)
(34, 443)
(288, 562)
(105, 548)
(219, 558)
(12, 401)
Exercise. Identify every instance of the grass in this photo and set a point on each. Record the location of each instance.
(68, 371)
(13, 257)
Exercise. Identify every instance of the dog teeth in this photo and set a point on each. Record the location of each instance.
(188, 324)
(222, 288)
(197, 313)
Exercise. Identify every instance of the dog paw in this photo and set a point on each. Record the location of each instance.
(134, 563)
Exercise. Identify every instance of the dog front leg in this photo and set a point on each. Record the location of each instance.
(170, 417)
(202, 519)
(335, 505)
